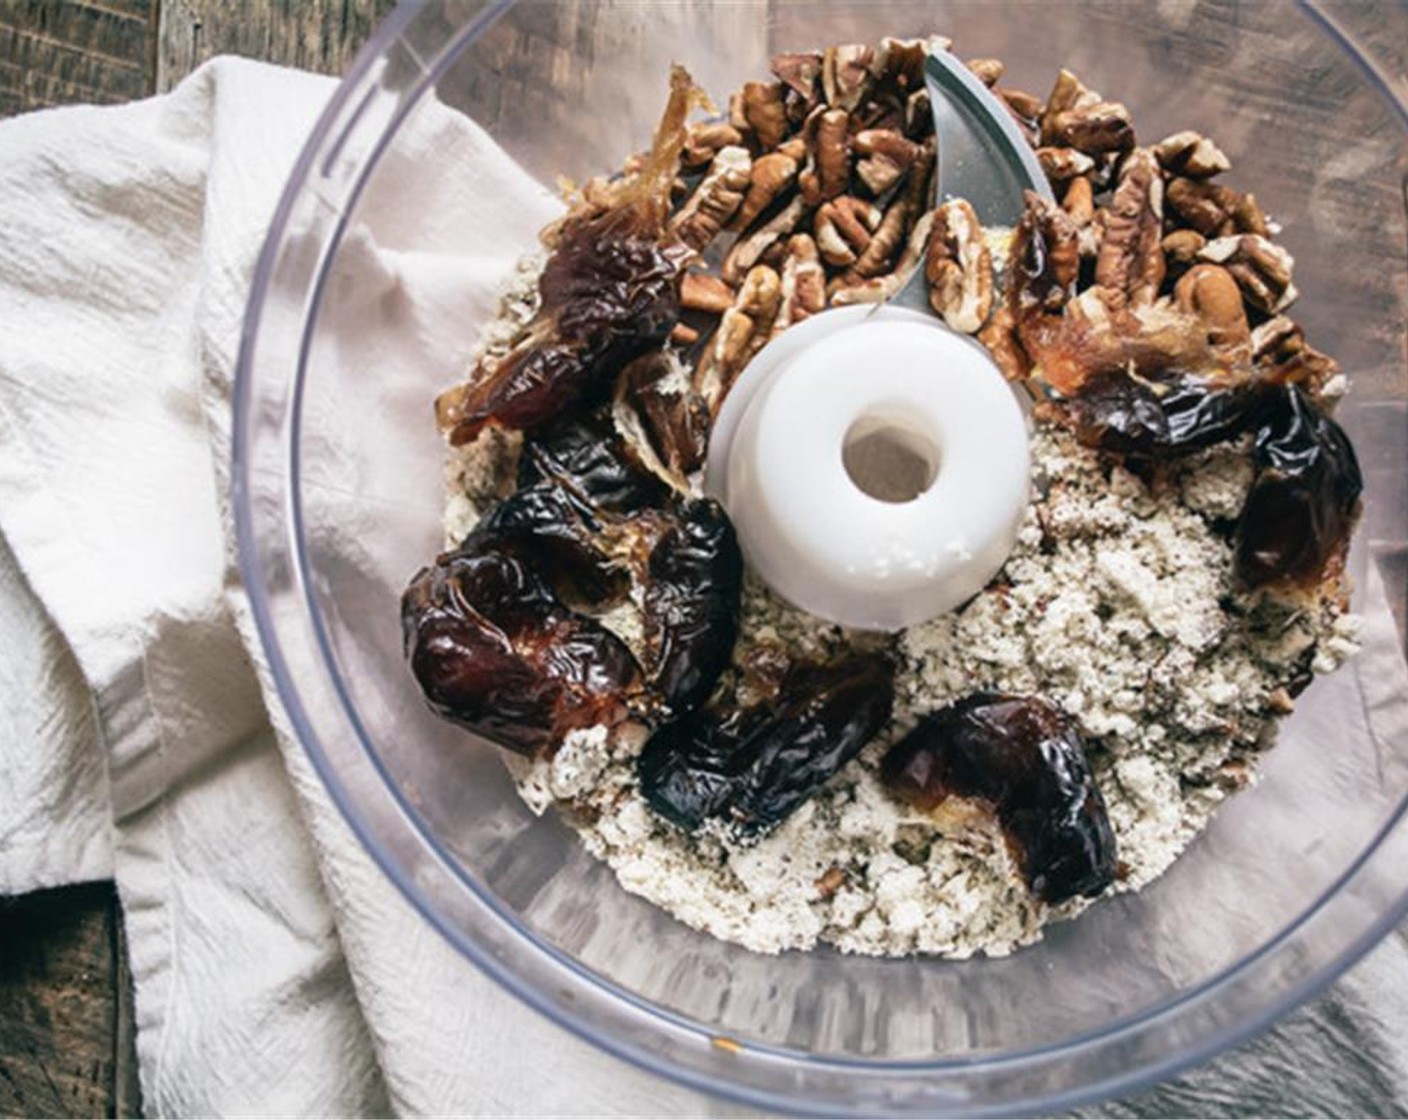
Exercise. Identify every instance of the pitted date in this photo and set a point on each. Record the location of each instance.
(496, 652)
(752, 768)
(1305, 499)
(1023, 760)
(693, 582)
(585, 454)
(1122, 415)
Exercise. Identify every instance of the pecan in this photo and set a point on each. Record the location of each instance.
(803, 283)
(1026, 106)
(1061, 164)
(1093, 129)
(830, 882)
(1000, 339)
(1281, 354)
(1044, 263)
(1210, 293)
(844, 229)
(1190, 155)
(888, 156)
(918, 115)
(763, 110)
(1068, 92)
(1181, 248)
(846, 76)
(800, 73)
(877, 289)
(705, 140)
(748, 250)
(771, 175)
(682, 334)
(1205, 207)
(738, 115)
(959, 268)
(1131, 260)
(1079, 202)
(894, 225)
(899, 63)
(1261, 268)
(703, 292)
(1248, 216)
(716, 199)
(988, 70)
(829, 169)
(744, 328)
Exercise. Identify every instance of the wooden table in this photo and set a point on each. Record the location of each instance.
(66, 1033)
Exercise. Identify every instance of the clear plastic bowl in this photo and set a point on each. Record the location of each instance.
(338, 499)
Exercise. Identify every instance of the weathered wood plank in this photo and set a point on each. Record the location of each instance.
(320, 35)
(62, 994)
(60, 51)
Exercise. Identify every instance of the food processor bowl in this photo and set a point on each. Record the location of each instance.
(338, 492)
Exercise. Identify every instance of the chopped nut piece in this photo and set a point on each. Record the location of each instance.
(715, 200)
(1191, 155)
(988, 70)
(1279, 700)
(959, 268)
(1262, 268)
(803, 282)
(800, 73)
(899, 63)
(888, 157)
(1248, 216)
(705, 140)
(829, 170)
(1281, 354)
(1131, 261)
(890, 234)
(844, 229)
(1210, 293)
(771, 175)
(743, 330)
(1069, 92)
(877, 289)
(1026, 109)
(918, 115)
(1079, 202)
(846, 76)
(702, 292)
(830, 882)
(999, 337)
(1061, 164)
(1181, 248)
(749, 249)
(764, 112)
(1094, 129)
(682, 334)
(1205, 207)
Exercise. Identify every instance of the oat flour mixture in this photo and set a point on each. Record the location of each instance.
(1177, 578)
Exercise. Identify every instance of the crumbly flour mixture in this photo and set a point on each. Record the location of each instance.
(1117, 605)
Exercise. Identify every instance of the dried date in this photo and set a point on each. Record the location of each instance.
(495, 651)
(1122, 415)
(1304, 502)
(1023, 761)
(752, 768)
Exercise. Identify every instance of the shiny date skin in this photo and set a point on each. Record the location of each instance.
(495, 651)
(749, 769)
(1020, 758)
(1305, 500)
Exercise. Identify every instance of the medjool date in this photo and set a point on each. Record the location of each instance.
(754, 767)
(1123, 415)
(495, 651)
(1023, 761)
(693, 581)
(585, 453)
(610, 290)
(1305, 499)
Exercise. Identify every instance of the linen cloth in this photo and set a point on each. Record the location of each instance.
(275, 969)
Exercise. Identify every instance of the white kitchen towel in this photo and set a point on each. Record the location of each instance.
(276, 969)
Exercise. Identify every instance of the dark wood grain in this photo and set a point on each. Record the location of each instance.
(65, 1037)
(57, 51)
(320, 35)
